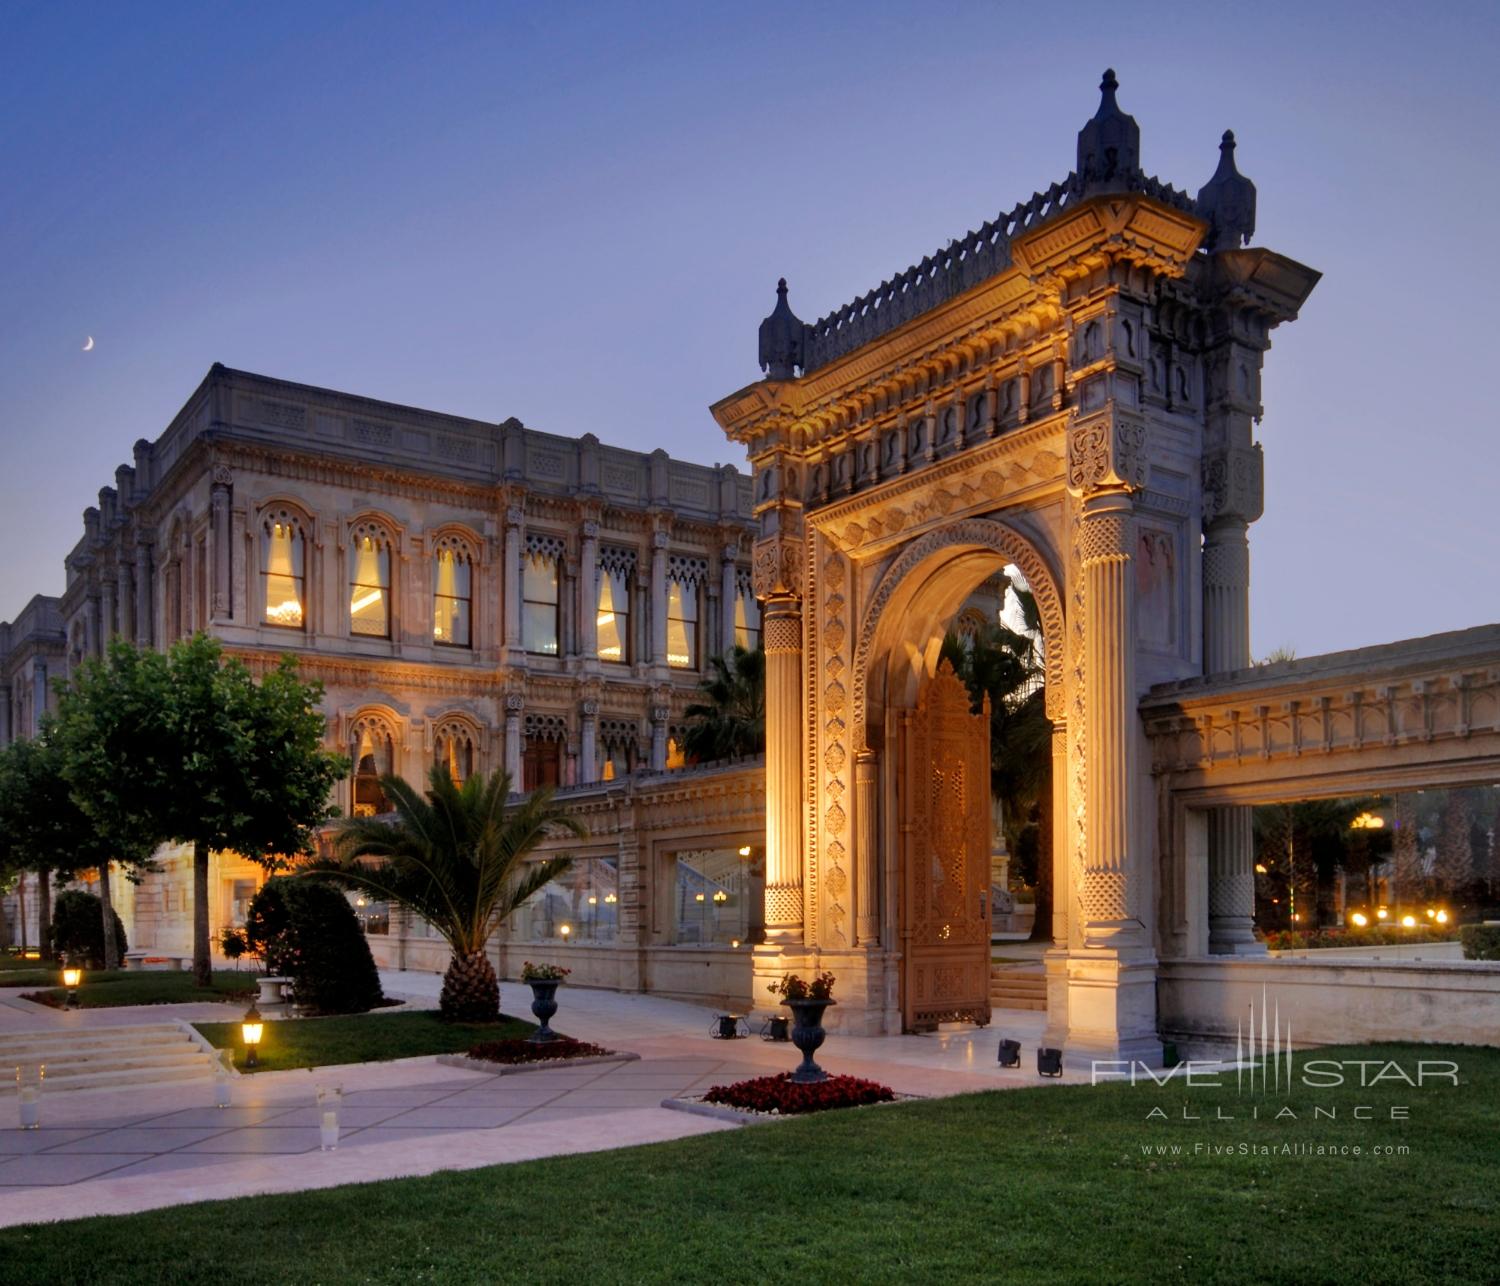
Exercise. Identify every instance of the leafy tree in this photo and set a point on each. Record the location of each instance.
(306, 930)
(456, 857)
(730, 723)
(188, 747)
(43, 829)
(78, 930)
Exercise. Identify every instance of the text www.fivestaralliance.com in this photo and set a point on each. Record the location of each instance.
(1293, 1150)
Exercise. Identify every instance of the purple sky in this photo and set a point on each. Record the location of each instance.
(577, 215)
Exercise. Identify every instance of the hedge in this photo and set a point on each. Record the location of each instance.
(77, 929)
(304, 929)
(1481, 941)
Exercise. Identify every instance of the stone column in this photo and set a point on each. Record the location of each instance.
(588, 621)
(38, 696)
(866, 904)
(106, 612)
(125, 603)
(728, 597)
(1231, 501)
(218, 597)
(659, 598)
(143, 595)
(5, 733)
(514, 704)
(659, 716)
(515, 518)
(782, 623)
(1109, 901)
(588, 748)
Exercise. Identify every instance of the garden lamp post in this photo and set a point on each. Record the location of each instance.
(251, 1030)
(72, 975)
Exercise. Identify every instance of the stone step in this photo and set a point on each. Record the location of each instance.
(148, 1079)
(1032, 1003)
(109, 1060)
(1018, 987)
(87, 1058)
(70, 1045)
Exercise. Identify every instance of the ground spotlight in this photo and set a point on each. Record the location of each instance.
(1049, 1062)
(1010, 1053)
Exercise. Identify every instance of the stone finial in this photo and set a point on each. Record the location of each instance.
(783, 339)
(1109, 146)
(1227, 201)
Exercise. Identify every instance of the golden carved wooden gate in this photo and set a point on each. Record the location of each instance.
(944, 804)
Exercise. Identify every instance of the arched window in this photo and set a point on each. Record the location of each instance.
(684, 580)
(616, 572)
(542, 751)
(618, 739)
(453, 749)
(370, 582)
(372, 748)
(452, 595)
(746, 613)
(283, 571)
(539, 597)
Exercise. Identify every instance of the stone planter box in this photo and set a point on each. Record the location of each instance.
(510, 1069)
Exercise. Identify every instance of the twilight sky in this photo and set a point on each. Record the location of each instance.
(576, 214)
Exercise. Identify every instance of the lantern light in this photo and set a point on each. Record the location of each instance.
(1408, 922)
(720, 897)
(1442, 917)
(72, 975)
(1359, 919)
(251, 1029)
(565, 929)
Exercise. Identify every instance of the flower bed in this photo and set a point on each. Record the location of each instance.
(781, 1096)
(525, 1051)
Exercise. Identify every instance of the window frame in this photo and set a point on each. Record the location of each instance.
(295, 524)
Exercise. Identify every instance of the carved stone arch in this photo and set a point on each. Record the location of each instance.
(381, 728)
(288, 508)
(458, 739)
(915, 564)
(461, 540)
(375, 523)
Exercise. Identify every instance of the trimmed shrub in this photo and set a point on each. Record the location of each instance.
(304, 929)
(1375, 936)
(1481, 941)
(78, 928)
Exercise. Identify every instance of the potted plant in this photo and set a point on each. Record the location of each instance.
(807, 1000)
(543, 980)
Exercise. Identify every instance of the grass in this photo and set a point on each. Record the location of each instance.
(1045, 1185)
(361, 1038)
(107, 989)
(11, 961)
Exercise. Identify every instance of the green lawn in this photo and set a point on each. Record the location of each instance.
(1047, 1185)
(107, 989)
(361, 1038)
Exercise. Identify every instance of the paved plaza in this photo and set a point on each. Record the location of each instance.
(121, 1150)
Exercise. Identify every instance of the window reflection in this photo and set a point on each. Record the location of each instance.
(581, 905)
(452, 599)
(283, 572)
(719, 895)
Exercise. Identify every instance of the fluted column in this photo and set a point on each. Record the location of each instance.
(866, 904)
(1226, 646)
(588, 622)
(1111, 915)
(782, 624)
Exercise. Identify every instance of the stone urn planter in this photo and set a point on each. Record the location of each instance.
(271, 990)
(543, 1006)
(807, 1036)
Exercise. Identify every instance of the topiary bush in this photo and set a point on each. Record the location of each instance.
(1481, 941)
(77, 929)
(304, 929)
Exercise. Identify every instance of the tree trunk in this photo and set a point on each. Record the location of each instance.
(21, 908)
(471, 992)
(203, 973)
(4, 924)
(107, 909)
(44, 912)
(1041, 925)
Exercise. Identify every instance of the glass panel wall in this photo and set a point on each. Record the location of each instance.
(582, 905)
(719, 895)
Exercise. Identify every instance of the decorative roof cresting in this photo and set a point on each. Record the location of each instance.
(1227, 202)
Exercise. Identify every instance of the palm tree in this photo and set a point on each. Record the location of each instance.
(731, 722)
(457, 858)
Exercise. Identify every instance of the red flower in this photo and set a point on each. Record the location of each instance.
(521, 1050)
(781, 1095)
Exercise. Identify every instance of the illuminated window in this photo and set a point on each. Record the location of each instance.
(283, 562)
(539, 604)
(370, 585)
(614, 615)
(453, 749)
(372, 749)
(719, 895)
(452, 599)
(746, 620)
(675, 757)
(682, 624)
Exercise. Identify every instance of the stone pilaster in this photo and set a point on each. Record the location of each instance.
(588, 621)
(588, 742)
(125, 589)
(515, 543)
(220, 542)
(866, 857)
(660, 713)
(143, 595)
(106, 611)
(515, 704)
(782, 624)
(659, 539)
(728, 597)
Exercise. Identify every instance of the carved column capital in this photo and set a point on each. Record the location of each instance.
(223, 476)
(777, 568)
(1106, 452)
(1233, 484)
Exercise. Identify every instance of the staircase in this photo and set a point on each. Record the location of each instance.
(1018, 987)
(106, 1057)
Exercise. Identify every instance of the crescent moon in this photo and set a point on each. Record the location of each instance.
(89, 345)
